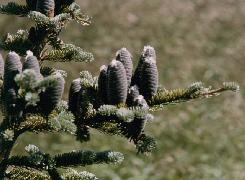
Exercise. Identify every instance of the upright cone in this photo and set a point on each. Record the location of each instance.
(124, 56)
(51, 97)
(133, 93)
(117, 83)
(149, 77)
(12, 106)
(73, 95)
(136, 127)
(102, 84)
(147, 52)
(12, 67)
(31, 62)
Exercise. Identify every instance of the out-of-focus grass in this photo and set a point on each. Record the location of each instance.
(195, 40)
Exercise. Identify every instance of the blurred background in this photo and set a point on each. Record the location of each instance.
(195, 40)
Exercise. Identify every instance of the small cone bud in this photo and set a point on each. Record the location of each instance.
(46, 7)
(13, 108)
(102, 84)
(51, 97)
(82, 98)
(141, 102)
(11, 99)
(12, 67)
(124, 56)
(132, 95)
(31, 62)
(73, 95)
(117, 83)
(136, 127)
(148, 87)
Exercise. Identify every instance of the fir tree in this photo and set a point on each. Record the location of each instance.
(31, 94)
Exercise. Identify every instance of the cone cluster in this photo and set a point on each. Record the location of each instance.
(118, 85)
(15, 106)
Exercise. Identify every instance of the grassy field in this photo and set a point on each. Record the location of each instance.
(195, 40)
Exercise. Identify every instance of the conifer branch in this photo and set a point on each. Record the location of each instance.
(73, 174)
(75, 11)
(20, 173)
(18, 42)
(14, 9)
(194, 91)
(67, 53)
(41, 161)
(84, 158)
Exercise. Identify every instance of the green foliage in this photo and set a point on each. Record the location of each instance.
(83, 158)
(20, 173)
(14, 9)
(74, 175)
(18, 42)
(68, 52)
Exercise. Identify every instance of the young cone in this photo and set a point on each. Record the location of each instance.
(102, 84)
(13, 108)
(12, 67)
(117, 83)
(147, 52)
(1, 66)
(73, 95)
(140, 102)
(149, 84)
(132, 95)
(136, 127)
(124, 56)
(31, 62)
(51, 97)
(46, 7)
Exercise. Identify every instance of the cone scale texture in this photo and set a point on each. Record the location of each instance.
(31, 62)
(12, 67)
(117, 83)
(124, 56)
(102, 84)
(73, 95)
(51, 97)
